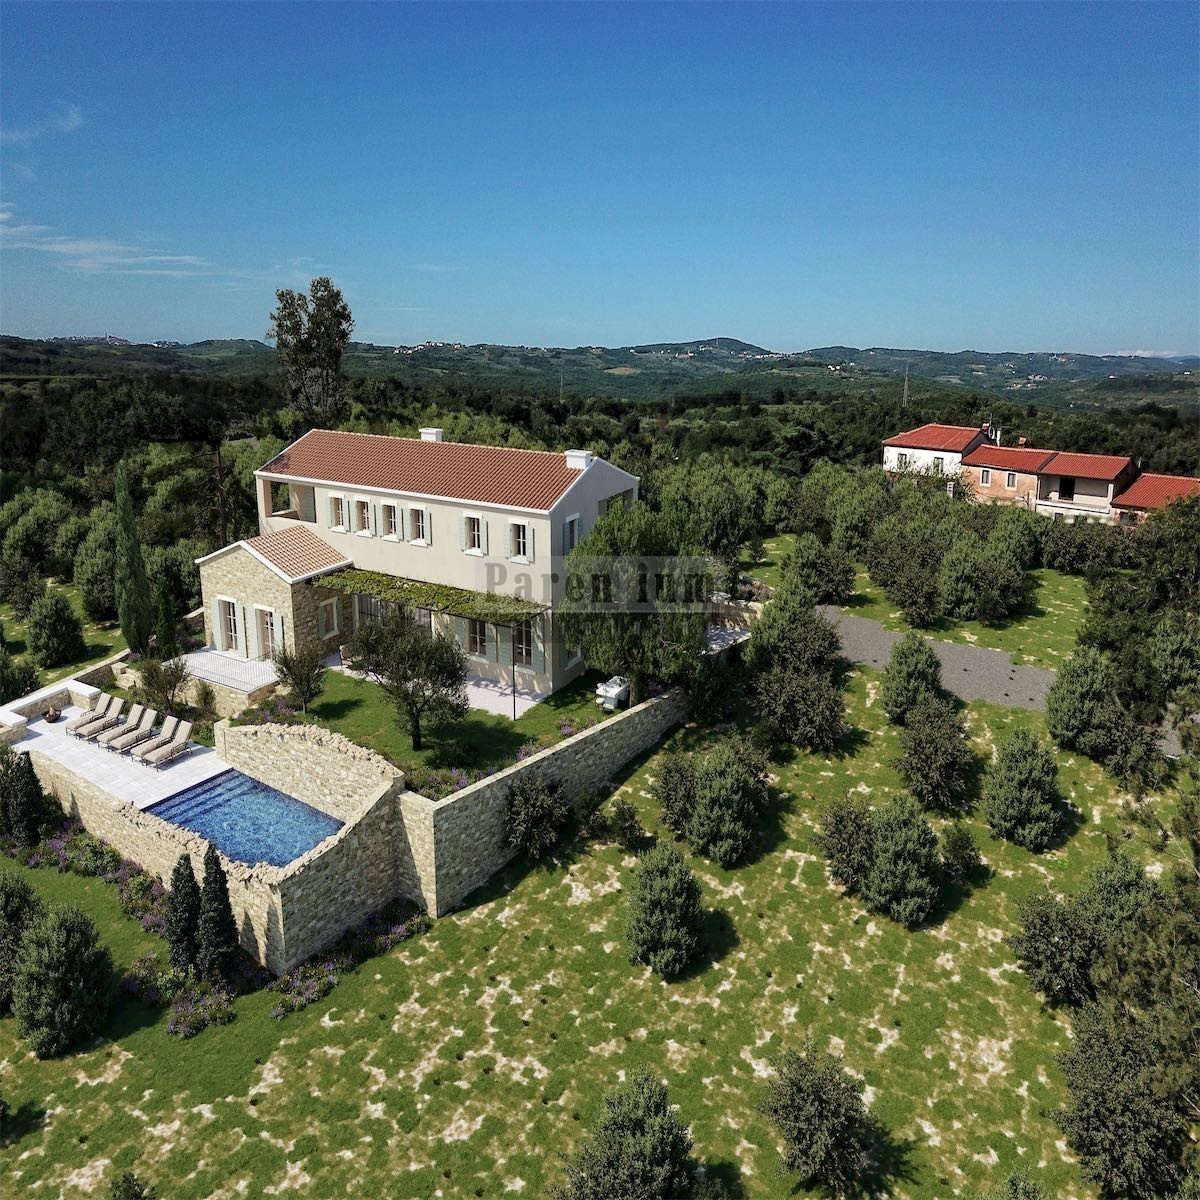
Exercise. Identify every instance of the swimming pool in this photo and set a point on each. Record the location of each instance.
(247, 820)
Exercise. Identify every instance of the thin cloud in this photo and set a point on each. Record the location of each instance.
(68, 119)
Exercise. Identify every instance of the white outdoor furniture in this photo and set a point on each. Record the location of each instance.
(612, 693)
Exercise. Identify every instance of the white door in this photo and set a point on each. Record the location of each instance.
(229, 622)
(266, 632)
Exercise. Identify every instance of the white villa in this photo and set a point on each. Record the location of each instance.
(472, 538)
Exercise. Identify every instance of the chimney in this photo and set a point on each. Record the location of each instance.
(1022, 441)
(579, 460)
(431, 435)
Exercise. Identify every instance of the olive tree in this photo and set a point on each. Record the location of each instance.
(913, 672)
(663, 913)
(1020, 792)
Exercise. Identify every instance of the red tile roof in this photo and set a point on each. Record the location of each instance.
(297, 552)
(936, 437)
(1087, 466)
(481, 474)
(1153, 491)
(1008, 458)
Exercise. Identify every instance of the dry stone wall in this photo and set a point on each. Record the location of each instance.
(469, 843)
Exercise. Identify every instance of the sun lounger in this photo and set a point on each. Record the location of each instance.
(180, 744)
(165, 736)
(130, 735)
(97, 727)
(135, 715)
(103, 704)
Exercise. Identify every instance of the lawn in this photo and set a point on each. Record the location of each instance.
(1041, 636)
(101, 640)
(465, 1062)
(767, 568)
(482, 741)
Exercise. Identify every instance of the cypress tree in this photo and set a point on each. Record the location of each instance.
(24, 802)
(217, 939)
(165, 644)
(183, 915)
(132, 589)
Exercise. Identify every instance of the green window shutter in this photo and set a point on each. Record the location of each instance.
(493, 641)
(460, 631)
(429, 526)
(529, 542)
(483, 535)
(539, 645)
(504, 638)
(508, 541)
(462, 534)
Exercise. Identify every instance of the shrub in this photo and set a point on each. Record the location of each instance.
(197, 1006)
(217, 935)
(822, 572)
(127, 1186)
(206, 700)
(818, 1109)
(958, 578)
(935, 760)
(302, 672)
(905, 868)
(804, 708)
(63, 982)
(538, 811)
(183, 915)
(23, 808)
(675, 789)
(663, 916)
(96, 566)
(1127, 1136)
(847, 839)
(20, 584)
(55, 632)
(913, 672)
(162, 684)
(17, 679)
(67, 540)
(306, 984)
(1080, 702)
(960, 855)
(730, 796)
(639, 1148)
(1018, 532)
(20, 907)
(626, 828)
(1019, 793)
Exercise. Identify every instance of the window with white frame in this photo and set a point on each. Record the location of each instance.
(337, 513)
(570, 534)
(477, 637)
(902, 460)
(1010, 480)
(520, 540)
(939, 465)
(362, 516)
(416, 523)
(985, 477)
(391, 526)
(473, 533)
(329, 618)
(523, 643)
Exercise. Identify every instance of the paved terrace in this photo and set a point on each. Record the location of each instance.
(117, 774)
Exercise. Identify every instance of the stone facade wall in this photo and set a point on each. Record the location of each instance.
(469, 827)
(312, 763)
(156, 845)
(239, 576)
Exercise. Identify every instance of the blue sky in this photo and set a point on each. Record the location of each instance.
(965, 176)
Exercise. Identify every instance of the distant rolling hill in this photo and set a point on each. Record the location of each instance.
(648, 371)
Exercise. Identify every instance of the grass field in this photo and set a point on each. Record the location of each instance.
(484, 741)
(101, 640)
(466, 1062)
(1042, 636)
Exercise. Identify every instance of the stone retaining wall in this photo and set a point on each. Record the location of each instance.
(155, 845)
(468, 832)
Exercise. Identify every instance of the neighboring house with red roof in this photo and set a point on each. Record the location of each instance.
(933, 449)
(469, 537)
(1005, 474)
(1149, 492)
(1082, 487)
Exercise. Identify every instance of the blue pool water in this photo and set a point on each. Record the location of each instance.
(247, 820)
